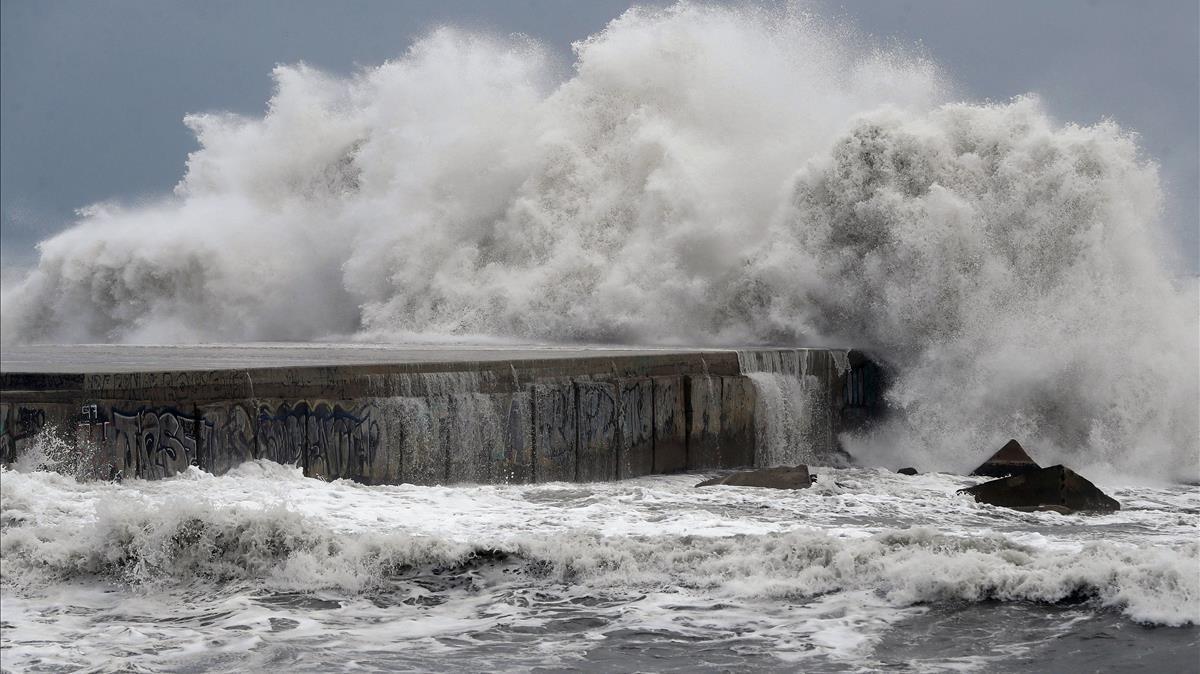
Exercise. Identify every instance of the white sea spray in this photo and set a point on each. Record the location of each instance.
(703, 175)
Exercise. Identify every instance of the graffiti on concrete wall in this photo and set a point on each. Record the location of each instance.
(227, 384)
(636, 452)
(596, 446)
(343, 443)
(18, 426)
(595, 428)
(326, 440)
(233, 437)
(156, 442)
(283, 433)
(554, 439)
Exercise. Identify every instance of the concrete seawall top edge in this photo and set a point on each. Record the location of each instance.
(110, 358)
(114, 359)
(119, 358)
(230, 371)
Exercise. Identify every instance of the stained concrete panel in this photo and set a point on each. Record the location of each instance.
(489, 438)
(473, 431)
(737, 422)
(635, 428)
(388, 453)
(554, 422)
(704, 422)
(423, 441)
(517, 467)
(670, 431)
(597, 418)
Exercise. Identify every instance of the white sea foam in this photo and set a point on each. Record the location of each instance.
(266, 525)
(263, 565)
(702, 175)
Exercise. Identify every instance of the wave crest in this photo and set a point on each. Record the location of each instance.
(189, 541)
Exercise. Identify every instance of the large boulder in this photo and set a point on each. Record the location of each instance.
(1055, 488)
(1012, 459)
(783, 477)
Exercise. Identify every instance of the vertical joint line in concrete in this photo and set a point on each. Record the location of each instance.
(653, 424)
(578, 424)
(533, 434)
(688, 382)
(307, 447)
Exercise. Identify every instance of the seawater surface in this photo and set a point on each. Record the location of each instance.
(263, 568)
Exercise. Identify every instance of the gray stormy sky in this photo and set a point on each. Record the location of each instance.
(92, 94)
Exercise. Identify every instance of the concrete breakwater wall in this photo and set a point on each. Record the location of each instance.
(595, 417)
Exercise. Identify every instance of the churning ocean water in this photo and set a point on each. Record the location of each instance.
(263, 569)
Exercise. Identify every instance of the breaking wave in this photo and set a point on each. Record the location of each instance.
(702, 176)
(190, 541)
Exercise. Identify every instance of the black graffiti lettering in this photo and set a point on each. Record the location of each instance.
(18, 427)
(341, 443)
(28, 422)
(156, 442)
(282, 434)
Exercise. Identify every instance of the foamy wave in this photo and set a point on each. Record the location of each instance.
(703, 175)
(187, 541)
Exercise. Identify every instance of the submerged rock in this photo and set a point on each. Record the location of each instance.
(1055, 488)
(1012, 459)
(908, 471)
(783, 477)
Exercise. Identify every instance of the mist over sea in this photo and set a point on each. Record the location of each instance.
(698, 176)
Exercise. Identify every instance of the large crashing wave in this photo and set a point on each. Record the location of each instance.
(188, 533)
(703, 176)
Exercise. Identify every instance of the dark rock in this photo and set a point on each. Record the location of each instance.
(784, 477)
(1049, 488)
(1010, 460)
(907, 471)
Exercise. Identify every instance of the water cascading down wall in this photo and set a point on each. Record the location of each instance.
(501, 421)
